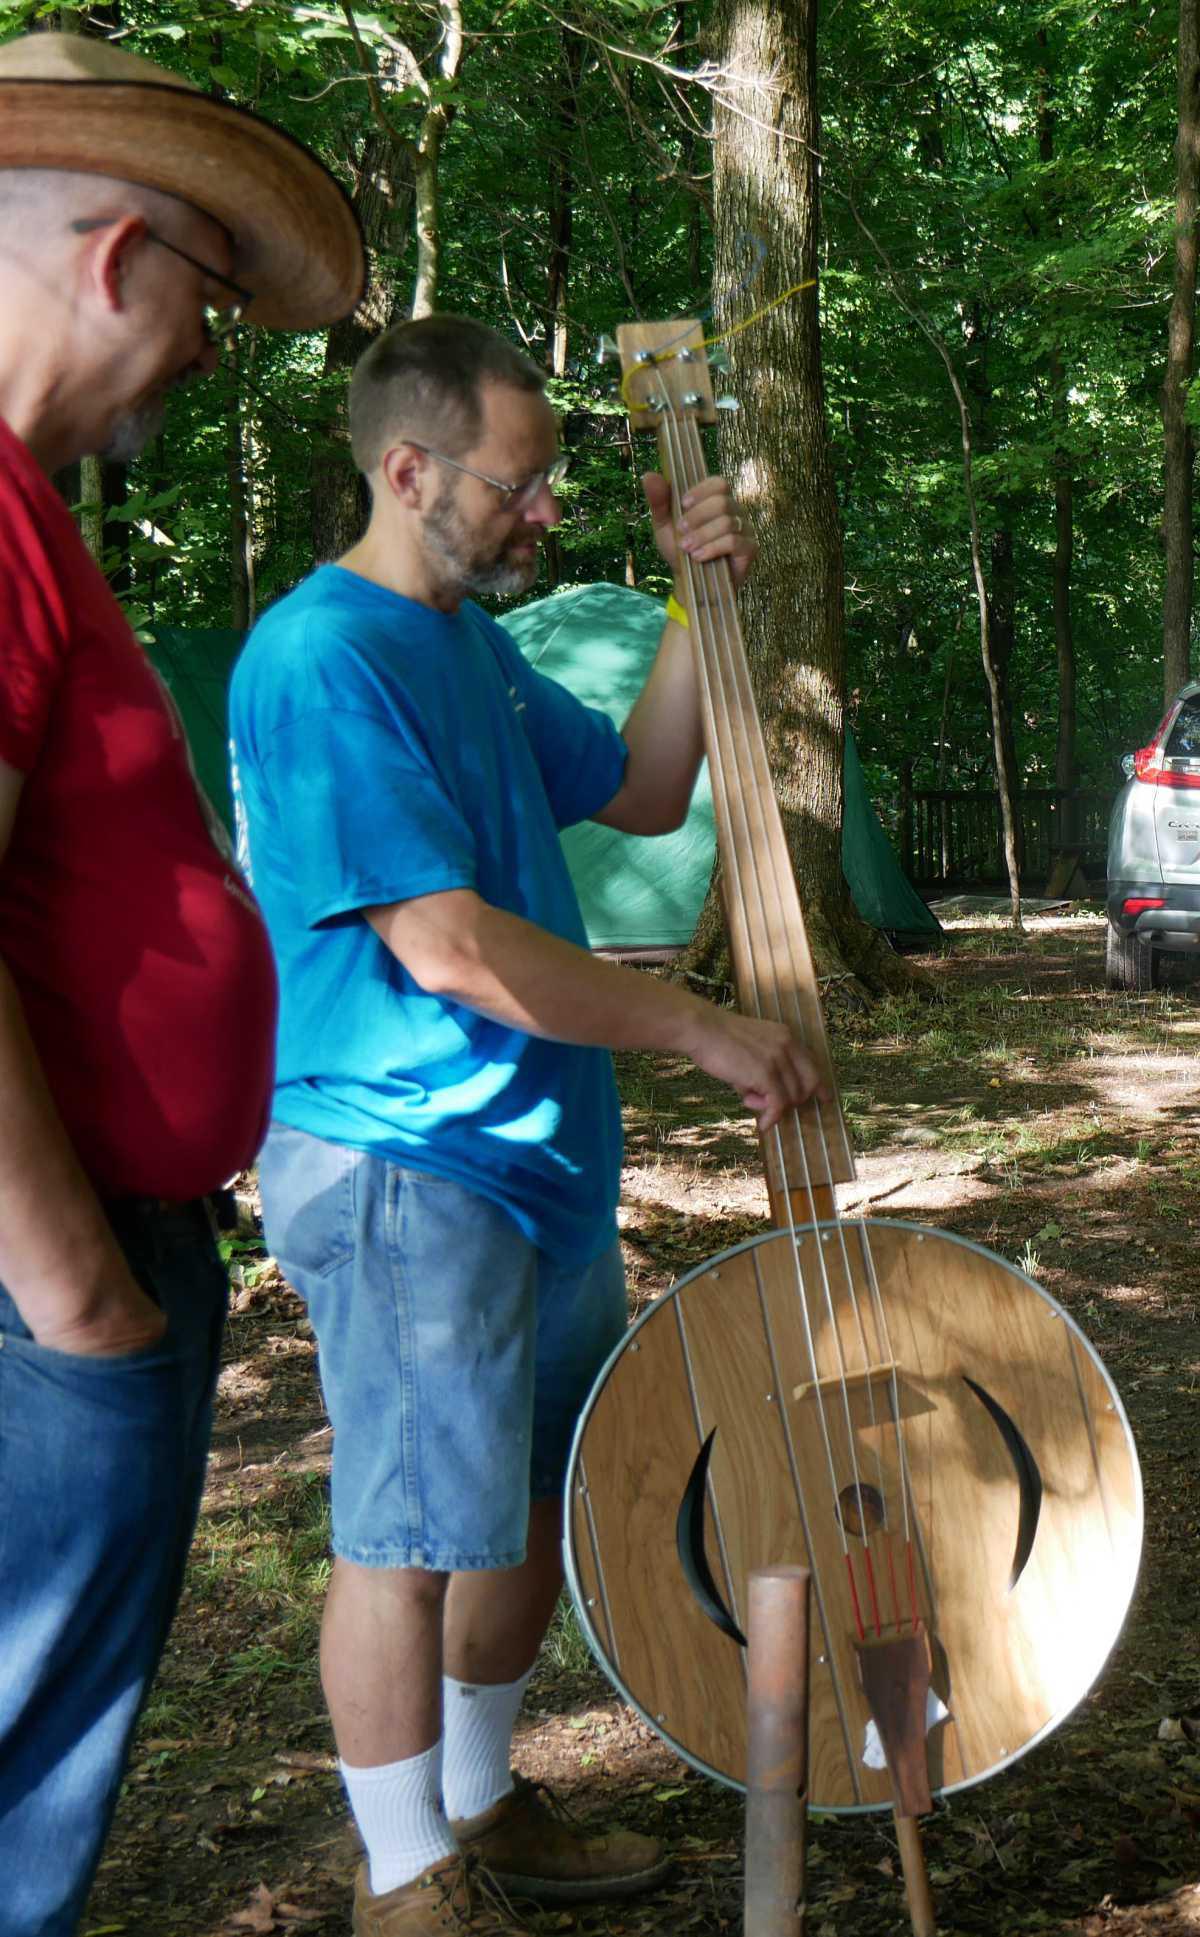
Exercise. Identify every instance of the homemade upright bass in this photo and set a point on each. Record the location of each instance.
(899, 1410)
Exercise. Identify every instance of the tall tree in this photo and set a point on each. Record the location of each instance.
(383, 200)
(1064, 488)
(776, 449)
(562, 203)
(1179, 453)
(240, 485)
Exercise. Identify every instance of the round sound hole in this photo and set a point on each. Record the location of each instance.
(861, 1511)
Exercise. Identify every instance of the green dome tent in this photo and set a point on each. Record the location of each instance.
(644, 894)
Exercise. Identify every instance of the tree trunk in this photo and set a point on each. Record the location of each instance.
(1064, 635)
(775, 449)
(1179, 453)
(997, 605)
(241, 495)
(1064, 520)
(397, 177)
(1003, 645)
(562, 203)
(997, 698)
(561, 220)
(383, 199)
(438, 116)
(101, 485)
(91, 506)
(429, 231)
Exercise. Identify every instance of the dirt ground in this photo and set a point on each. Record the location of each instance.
(1026, 1108)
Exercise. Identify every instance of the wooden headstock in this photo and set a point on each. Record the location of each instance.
(666, 372)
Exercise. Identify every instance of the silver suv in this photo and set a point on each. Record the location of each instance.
(1154, 850)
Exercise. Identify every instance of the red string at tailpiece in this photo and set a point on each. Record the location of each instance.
(858, 1620)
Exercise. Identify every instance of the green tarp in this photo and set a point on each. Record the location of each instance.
(636, 892)
(639, 893)
(195, 668)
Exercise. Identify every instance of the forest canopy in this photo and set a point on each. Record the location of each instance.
(997, 198)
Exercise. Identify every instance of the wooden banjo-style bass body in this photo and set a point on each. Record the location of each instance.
(896, 1409)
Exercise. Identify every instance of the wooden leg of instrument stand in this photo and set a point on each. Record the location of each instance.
(777, 1766)
(916, 1877)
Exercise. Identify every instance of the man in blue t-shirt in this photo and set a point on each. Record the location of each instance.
(440, 1182)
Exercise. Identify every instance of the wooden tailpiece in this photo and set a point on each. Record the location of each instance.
(895, 1677)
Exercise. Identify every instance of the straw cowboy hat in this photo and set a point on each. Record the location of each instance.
(68, 101)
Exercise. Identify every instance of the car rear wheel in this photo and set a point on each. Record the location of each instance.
(1131, 964)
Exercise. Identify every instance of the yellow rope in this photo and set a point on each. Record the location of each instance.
(721, 336)
(734, 328)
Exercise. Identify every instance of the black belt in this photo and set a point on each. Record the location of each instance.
(216, 1212)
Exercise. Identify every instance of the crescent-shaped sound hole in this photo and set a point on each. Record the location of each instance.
(689, 1545)
(1029, 1479)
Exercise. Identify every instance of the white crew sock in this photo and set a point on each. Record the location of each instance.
(478, 1720)
(399, 1811)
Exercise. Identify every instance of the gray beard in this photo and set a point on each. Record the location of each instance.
(133, 431)
(471, 569)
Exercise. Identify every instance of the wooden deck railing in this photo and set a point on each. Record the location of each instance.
(959, 837)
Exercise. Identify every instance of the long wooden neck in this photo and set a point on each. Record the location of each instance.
(772, 963)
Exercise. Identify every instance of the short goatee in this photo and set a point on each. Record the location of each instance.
(491, 578)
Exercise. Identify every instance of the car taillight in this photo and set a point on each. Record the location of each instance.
(1149, 764)
(1135, 903)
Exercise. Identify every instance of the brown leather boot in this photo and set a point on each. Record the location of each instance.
(454, 1898)
(534, 1848)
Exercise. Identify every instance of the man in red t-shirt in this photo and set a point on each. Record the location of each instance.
(138, 221)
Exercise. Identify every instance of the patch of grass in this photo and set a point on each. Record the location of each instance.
(168, 1713)
(868, 1131)
(266, 1562)
(564, 1649)
(263, 1661)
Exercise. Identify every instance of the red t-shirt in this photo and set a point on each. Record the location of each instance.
(141, 959)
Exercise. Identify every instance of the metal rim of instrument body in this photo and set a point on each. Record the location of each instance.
(577, 1589)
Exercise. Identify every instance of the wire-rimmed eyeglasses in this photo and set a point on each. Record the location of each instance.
(514, 497)
(220, 321)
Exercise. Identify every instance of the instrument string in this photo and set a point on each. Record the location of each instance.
(734, 673)
(733, 677)
(740, 684)
(730, 674)
(721, 725)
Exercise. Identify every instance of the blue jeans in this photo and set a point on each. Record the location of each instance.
(101, 1470)
(455, 1356)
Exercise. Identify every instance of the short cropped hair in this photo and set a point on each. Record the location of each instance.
(423, 381)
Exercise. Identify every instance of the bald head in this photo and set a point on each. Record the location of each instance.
(97, 319)
(38, 206)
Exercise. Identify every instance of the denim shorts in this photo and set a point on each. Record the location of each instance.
(455, 1356)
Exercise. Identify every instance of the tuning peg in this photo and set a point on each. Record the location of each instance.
(727, 403)
(718, 357)
(606, 350)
